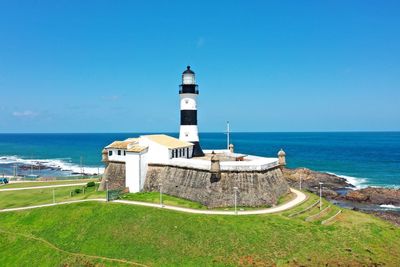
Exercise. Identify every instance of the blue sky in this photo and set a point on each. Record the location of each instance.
(115, 66)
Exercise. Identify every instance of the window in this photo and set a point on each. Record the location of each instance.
(119, 152)
(187, 152)
(110, 153)
(124, 153)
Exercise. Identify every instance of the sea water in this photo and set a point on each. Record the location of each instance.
(363, 158)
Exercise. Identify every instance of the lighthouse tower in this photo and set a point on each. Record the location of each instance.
(188, 93)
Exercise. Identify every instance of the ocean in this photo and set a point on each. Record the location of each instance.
(364, 158)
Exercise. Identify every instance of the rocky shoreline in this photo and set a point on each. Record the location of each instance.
(339, 191)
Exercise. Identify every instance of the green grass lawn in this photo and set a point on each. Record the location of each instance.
(154, 197)
(38, 183)
(23, 198)
(157, 237)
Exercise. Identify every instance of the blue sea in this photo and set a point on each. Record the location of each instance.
(364, 158)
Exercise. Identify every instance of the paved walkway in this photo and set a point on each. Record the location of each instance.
(40, 187)
(300, 197)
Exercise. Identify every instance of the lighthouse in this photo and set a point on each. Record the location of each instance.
(188, 93)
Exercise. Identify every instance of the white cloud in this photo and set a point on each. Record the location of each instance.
(25, 114)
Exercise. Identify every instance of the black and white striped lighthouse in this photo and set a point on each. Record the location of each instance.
(188, 93)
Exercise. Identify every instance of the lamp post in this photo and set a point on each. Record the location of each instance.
(235, 189)
(161, 203)
(301, 176)
(320, 196)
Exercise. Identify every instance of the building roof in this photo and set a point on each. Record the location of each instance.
(136, 148)
(119, 144)
(168, 141)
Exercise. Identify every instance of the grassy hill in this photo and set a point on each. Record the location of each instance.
(23, 198)
(69, 235)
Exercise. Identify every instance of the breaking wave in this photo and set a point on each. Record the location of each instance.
(390, 207)
(357, 182)
(62, 164)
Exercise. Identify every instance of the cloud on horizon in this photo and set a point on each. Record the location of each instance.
(25, 114)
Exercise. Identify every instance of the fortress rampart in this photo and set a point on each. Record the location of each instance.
(255, 188)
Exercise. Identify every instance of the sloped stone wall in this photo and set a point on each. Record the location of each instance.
(115, 174)
(255, 188)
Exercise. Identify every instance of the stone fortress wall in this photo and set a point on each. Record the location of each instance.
(255, 188)
(114, 174)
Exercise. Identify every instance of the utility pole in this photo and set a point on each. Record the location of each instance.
(81, 163)
(235, 189)
(15, 170)
(301, 176)
(320, 196)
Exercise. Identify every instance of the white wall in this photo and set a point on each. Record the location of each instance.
(115, 156)
(156, 152)
(143, 169)
(136, 170)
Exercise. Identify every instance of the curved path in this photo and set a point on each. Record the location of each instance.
(300, 197)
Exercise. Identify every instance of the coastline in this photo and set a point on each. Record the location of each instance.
(55, 167)
(383, 202)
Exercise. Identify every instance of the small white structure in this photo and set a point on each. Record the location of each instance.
(137, 153)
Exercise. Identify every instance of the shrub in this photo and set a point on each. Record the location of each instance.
(77, 190)
(90, 184)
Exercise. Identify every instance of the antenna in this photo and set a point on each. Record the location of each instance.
(227, 135)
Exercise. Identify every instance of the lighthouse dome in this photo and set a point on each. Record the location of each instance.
(188, 76)
(188, 71)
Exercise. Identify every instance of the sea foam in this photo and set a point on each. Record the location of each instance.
(357, 182)
(64, 164)
(386, 206)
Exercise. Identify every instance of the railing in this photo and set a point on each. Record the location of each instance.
(305, 210)
(257, 164)
(315, 216)
(331, 218)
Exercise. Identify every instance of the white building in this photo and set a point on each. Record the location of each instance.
(137, 153)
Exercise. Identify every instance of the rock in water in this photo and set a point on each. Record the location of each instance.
(375, 195)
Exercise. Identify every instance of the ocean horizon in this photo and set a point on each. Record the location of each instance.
(364, 158)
